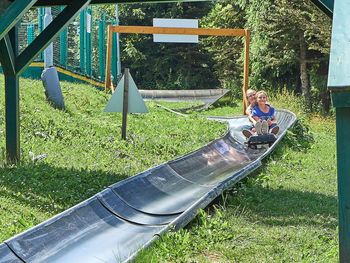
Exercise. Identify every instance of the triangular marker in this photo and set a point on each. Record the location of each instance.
(135, 100)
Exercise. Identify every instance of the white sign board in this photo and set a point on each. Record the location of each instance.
(166, 22)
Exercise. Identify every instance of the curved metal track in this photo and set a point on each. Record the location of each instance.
(115, 224)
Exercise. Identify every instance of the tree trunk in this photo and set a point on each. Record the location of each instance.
(304, 77)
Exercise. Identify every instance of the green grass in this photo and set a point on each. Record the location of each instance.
(84, 150)
(284, 212)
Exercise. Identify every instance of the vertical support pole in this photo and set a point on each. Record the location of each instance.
(125, 102)
(339, 86)
(101, 46)
(108, 59)
(12, 107)
(119, 68)
(30, 33)
(246, 69)
(82, 32)
(114, 56)
(48, 52)
(88, 41)
(41, 15)
(63, 46)
(343, 160)
(12, 118)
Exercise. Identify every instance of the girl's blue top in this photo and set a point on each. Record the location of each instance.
(263, 115)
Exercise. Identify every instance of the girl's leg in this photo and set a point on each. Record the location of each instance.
(248, 130)
(258, 128)
(264, 127)
(274, 128)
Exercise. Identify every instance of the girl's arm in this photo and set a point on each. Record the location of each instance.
(256, 119)
(271, 121)
(248, 110)
(254, 116)
(250, 117)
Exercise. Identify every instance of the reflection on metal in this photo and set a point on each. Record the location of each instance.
(207, 96)
(115, 224)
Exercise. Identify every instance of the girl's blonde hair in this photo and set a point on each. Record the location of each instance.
(261, 92)
(250, 91)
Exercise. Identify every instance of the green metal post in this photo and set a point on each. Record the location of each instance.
(49, 33)
(88, 41)
(339, 85)
(14, 64)
(30, 33)
(12, 118)
(343, 158)
(13, 14)
(63, 46)
(82, 41)
(41, 12)
(12, 106)
(101, 46)
(114, 56)
(325, 5)
(117, 52)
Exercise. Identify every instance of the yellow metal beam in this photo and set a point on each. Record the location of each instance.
(230, 32)
(178, 31)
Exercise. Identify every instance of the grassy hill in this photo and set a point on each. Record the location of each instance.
(284, 212)
(85, 152)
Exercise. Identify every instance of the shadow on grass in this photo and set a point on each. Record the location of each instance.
(283, 207)
(52, 188)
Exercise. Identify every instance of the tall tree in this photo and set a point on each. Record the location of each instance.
(165, 65)
(226, 52)
(287, 38)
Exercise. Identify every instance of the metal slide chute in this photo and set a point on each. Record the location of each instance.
(115, 224)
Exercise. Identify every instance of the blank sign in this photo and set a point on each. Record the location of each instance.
(169, 38)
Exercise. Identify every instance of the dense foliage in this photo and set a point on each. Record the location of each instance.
(166, 65)
(289, 47)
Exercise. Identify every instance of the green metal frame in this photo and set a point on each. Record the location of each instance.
(339, 84)
(343, 168)
(325, 5)
(41, 25)
(101, 46)
(63, 46)
(114, 55)
(13, 64)
(9, 49)
(30, 33)
(48, 34)
(88, 48)
(7, 56)
(82, 39)
(13, 14)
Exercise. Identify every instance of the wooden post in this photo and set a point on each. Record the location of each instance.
(246, 70)
(125, 102)
(181, 31)
(108, 60)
